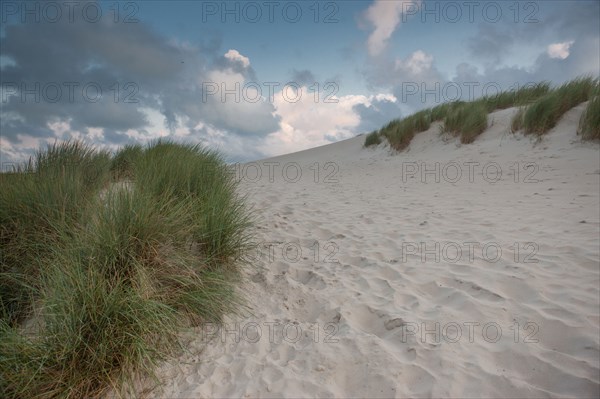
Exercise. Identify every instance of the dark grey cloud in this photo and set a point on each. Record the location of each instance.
(99, 50)
(581, 18)
(133, 66)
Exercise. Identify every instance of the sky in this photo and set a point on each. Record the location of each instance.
(255, 79)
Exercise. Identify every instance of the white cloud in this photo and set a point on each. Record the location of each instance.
(560, 50)
(383, 97)
(385, 16)
(416, 64)
(236, 102)
(15, 152)
(234, 55)
(307, 123)
(304, 124)
(60, 127)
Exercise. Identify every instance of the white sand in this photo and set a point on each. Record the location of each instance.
(377, 299)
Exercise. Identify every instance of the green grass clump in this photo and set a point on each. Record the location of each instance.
(516, 123)
(541, 116)
(399, 133)
(37, 204)
(467, 121)
(123, 161)
(545, 112)
(439, 112)
(112, 270)
(541, 108)
(201, 177)
(589, 124)
(512, 98)
(92, 335)
(421, 120)
(372, 139)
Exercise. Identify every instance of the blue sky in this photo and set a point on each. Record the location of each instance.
(352, 65)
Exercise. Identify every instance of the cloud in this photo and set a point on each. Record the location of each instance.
(385, 16)
(82, 73)
(307, 123)
(416, 64)
(417, 82)
(233, 62)
(388, 72)
(583, 59)
(376, 112)
(490, 42)
(570, 21)
(235, 56)
(173, 98)
(239, 106)
(303, 77)
(136, 69)
(407, 79)
(560, 50)
(494, 42)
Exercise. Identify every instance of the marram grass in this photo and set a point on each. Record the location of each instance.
(98, 276)
(540, 109)
(467, 121)
(399, 133)
(543, 114)
(589, 124)
(38, 204)
(372, 139)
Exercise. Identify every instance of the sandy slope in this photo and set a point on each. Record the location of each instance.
(536, 308)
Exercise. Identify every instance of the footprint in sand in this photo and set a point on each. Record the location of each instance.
(308, 278)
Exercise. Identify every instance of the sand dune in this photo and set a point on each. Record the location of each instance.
(506, 305)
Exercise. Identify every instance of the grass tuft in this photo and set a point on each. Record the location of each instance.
(123, 161)
(399, 133)
(589, 124)
(516, 123)
(38, 203)
(372, 139)
(99, 275)
(515, 98)
(543, 114)
(541, 108)
(467, 121)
